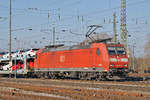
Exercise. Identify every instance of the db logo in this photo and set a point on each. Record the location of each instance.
(62, 58)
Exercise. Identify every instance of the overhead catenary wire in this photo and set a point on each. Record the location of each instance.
(17, 29)
(98, 11)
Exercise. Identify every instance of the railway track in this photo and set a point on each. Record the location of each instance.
(143, 86)
(78, 90)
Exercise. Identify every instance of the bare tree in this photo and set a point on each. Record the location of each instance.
(147, 46)
(147, 51)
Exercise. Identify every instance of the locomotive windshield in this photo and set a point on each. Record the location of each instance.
(111, 50)
(120, 50)
(116, 50)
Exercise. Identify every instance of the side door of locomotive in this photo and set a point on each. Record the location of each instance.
(98, 58)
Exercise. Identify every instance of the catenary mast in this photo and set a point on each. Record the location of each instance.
(123, 29)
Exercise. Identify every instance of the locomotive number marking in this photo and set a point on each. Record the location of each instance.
(62, 58)
(99, 64)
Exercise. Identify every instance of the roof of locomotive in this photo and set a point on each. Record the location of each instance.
(62, 47)
(115, 45)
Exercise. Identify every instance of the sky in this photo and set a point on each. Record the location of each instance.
(33, 21)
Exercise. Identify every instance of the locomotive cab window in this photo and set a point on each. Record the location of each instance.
(116, 50)
(121, 50)
(36, 56)
(98, 51)
(111, 50)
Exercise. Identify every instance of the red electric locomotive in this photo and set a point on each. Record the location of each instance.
(93, 61)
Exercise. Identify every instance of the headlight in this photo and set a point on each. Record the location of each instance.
(125, 65)
(124, 60)
(111, 65)
(113, 60)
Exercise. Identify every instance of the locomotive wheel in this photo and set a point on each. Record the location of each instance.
(52, 75)
(82, 76)
(45, 75)
(40, 75)
(100, 77)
